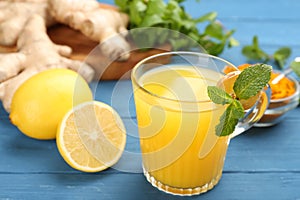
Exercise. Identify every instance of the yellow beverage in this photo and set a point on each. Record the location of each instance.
(180, 150)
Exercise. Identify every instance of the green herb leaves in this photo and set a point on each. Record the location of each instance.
(281, 55)
(218, 96)
(249, 82)
(254, 52)
(232, 114)
(295, 65)
(230, 118)
(172, 15)
(252, 80)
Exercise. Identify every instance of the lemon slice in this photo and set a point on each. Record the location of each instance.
(91, 137)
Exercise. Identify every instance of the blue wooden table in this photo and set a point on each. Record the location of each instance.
(263, 163)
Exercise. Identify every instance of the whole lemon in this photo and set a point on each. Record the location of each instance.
(41, 102)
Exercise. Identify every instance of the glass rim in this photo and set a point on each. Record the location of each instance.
(135, 81)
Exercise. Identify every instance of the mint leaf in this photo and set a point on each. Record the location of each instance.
(238, 110)
(296, 67)
(233, 42)
(254, 52)
(230, 118)
(252, 80)
(151, 20)
(122, 4)
(211, 16)
(218, 96)
(136, 8)
(214, 30)
(281, 55)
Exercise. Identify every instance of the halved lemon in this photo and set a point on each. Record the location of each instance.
(91, 137)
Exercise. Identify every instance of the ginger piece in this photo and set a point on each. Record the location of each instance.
(104, 25)
(14, 15)
(36, 53)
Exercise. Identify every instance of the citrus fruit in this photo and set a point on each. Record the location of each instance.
(227, 82)
(91, 137)
(40, 103)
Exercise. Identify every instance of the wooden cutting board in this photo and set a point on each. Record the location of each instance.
(86, 50)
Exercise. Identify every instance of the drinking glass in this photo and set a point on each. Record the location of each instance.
(181, 151)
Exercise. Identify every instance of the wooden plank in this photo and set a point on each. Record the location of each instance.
(22, 154)
(241, 186)
(259, 149)
(267, 149)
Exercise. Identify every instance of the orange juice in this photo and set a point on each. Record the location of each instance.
(180, 150)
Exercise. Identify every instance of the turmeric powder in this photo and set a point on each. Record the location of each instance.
(284, 88)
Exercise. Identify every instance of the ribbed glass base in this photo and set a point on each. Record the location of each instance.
(182, 191)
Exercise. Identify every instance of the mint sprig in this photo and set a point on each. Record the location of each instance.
(250, 81)
(213, 37)
(254, 52)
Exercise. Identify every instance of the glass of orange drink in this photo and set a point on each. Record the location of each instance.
(176, 120)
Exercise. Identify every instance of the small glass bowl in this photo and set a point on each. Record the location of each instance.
(278, 108)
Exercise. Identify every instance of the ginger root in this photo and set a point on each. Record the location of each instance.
(14, 15)
(36, 53)
(103, 25)
(24, 23)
